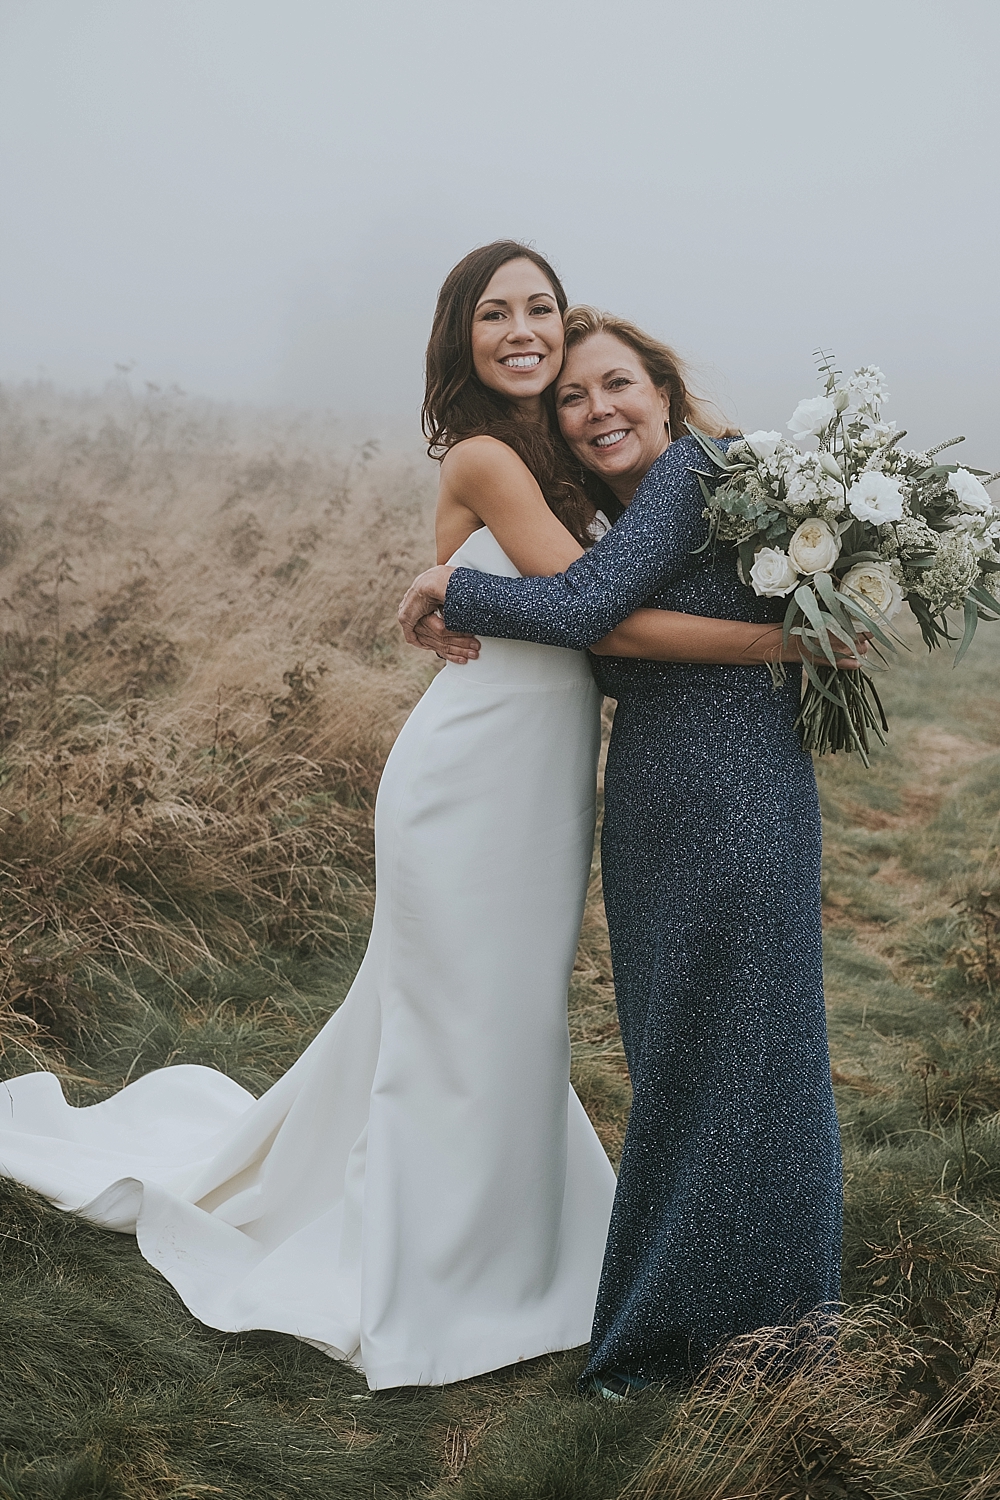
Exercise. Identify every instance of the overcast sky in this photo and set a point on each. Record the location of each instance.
(258, 199)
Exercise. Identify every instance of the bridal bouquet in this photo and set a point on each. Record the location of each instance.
(850, 533)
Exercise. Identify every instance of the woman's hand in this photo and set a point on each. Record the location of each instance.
(850, 654)
(423, 625)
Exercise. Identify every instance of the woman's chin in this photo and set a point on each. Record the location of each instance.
(610, 465)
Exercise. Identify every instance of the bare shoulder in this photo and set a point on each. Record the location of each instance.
(477, 458)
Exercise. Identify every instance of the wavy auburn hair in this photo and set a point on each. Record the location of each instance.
(665, 369)
(458, 405)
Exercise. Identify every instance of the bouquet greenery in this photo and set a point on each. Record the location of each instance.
(849, 533)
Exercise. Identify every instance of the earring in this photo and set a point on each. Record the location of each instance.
(667, 425)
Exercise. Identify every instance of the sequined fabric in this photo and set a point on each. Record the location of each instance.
(727, 1216)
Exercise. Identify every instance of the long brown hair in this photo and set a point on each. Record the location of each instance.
(458, 405)
(664, 367)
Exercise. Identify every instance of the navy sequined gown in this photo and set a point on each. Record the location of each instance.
(728, 1211)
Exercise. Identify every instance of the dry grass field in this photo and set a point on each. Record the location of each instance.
(200, 676)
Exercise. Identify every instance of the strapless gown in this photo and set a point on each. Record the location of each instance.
(422, 1193)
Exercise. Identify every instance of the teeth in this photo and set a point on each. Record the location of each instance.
(609, 438)
(522, 361)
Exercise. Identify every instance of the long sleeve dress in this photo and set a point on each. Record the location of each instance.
(727, 1216)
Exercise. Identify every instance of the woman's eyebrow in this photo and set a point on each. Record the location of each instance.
(576, 385)
(502, 301)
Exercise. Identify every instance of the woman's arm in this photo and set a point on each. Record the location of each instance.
(664, 635)
(482, 480)
(650, 544)
(486, 480)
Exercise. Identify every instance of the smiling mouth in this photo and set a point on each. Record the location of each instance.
(522, 361)
(610, 439)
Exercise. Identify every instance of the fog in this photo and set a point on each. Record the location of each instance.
(258, 199)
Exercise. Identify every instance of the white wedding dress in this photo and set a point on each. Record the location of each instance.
(422, 1193)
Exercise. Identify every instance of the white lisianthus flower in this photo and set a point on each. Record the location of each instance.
(772, 574)
(873, 586)
(763, 445)
(875, 497)
(811, 417)
(970, 492)
(814, 547)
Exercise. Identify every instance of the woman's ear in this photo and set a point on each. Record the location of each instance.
(665, 403)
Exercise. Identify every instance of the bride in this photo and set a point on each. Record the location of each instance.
(422, 1193)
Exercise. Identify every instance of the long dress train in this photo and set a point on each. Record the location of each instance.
(422, 1193)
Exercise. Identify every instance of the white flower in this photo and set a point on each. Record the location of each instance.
(814, 547)
(803, 491)
(866, 388)
(875, 497)
(772, 574)
(914, 535)
(876, 436)
(954, 571)
(971, 494)
(811, 417)
(872, 585)
(763, 444)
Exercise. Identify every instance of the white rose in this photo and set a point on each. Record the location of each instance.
(872, 585)
(875, 497)
(772, 574)
(971, 494)
(812, 417)
(814, 547)
(763, 445)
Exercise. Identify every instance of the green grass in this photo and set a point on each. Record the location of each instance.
(110, 1389)
(199, 676)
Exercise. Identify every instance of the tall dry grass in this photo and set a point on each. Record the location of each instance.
(200, 677)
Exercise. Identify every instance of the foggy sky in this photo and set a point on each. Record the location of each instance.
(258, 199)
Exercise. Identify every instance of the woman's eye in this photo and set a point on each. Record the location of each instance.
(543, 309)
(492, 317)
(618, 382)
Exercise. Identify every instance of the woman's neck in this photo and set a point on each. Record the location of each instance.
(624, 486)
(529, 409)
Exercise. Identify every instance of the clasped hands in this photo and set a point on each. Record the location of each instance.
(422, 624)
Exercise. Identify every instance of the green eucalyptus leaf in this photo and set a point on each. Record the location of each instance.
(807, 602)
(983, 596)
(971, 621)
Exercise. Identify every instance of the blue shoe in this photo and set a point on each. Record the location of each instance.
(617, 1387)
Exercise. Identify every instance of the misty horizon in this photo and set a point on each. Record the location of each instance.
(259, 204)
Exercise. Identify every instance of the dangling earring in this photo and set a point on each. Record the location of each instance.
(667, 425)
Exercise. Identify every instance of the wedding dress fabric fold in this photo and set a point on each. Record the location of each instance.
(422, 1193)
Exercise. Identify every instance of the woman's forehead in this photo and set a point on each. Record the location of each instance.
(598, 355)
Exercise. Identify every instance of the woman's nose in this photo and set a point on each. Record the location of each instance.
(519, 331)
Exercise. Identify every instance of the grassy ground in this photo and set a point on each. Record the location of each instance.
(198, 684)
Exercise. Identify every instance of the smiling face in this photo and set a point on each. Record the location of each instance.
(610, 412)
(517, 335)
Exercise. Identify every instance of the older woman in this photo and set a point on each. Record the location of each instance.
(727, 1216)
